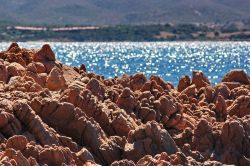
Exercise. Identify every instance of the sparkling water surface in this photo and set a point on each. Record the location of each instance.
(169, 60)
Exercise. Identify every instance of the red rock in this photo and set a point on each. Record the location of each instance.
(17, 142)
(44, 54)
(87, 103)
(189, 91)
(15, 69)
(237, 76)
(55, 156)
(146, 114)
(32, 68)
(203, 137)
(49, 65)
(16, 54)
(199, 80)
(137, 81)
(239, 91)
(168, 106)
(165, 85)
(84, 155)
(54, 114)
(83, 68)
(68, 142)
(9, 124)
(232, 137)
(124, 162)
(221, 108)
(24, 84)
(74, 123)
(16, 58)
(55, 80)
(148, 139)
(40, 68)
(240, 107)
(42, 78)
(96, 88)
(184, 83)
(70, 74)
(127, 100)
(3, 72)
(34, 124)
(147, 160)
(209, 93)
(12, 46)
(223, 90)
(123, 124)
(17, 157)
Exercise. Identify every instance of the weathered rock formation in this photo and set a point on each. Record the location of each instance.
(53, 114)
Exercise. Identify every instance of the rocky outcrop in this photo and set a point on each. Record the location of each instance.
(199, 80)
(4, 75)
(114, 121)
(53, 114)
(240, 107)
(237, 76)
(15, 69)
(55, 80)
(24, 84)
(184, 83)
(19, 151)
(127, 100)
(235, 140)
(44, 54)
(148, 139)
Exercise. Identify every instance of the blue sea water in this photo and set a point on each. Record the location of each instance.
(169, 60)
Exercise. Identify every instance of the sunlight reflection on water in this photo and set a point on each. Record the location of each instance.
(170, 60)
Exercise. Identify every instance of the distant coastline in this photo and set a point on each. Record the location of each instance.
(159, 32)
(73, 28)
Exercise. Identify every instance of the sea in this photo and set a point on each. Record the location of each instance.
(169, 60)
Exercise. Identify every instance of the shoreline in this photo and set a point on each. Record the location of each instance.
(178, 32)
(84, 53)
(52, 114)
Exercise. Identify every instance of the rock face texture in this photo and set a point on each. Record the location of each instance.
(53, 114)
